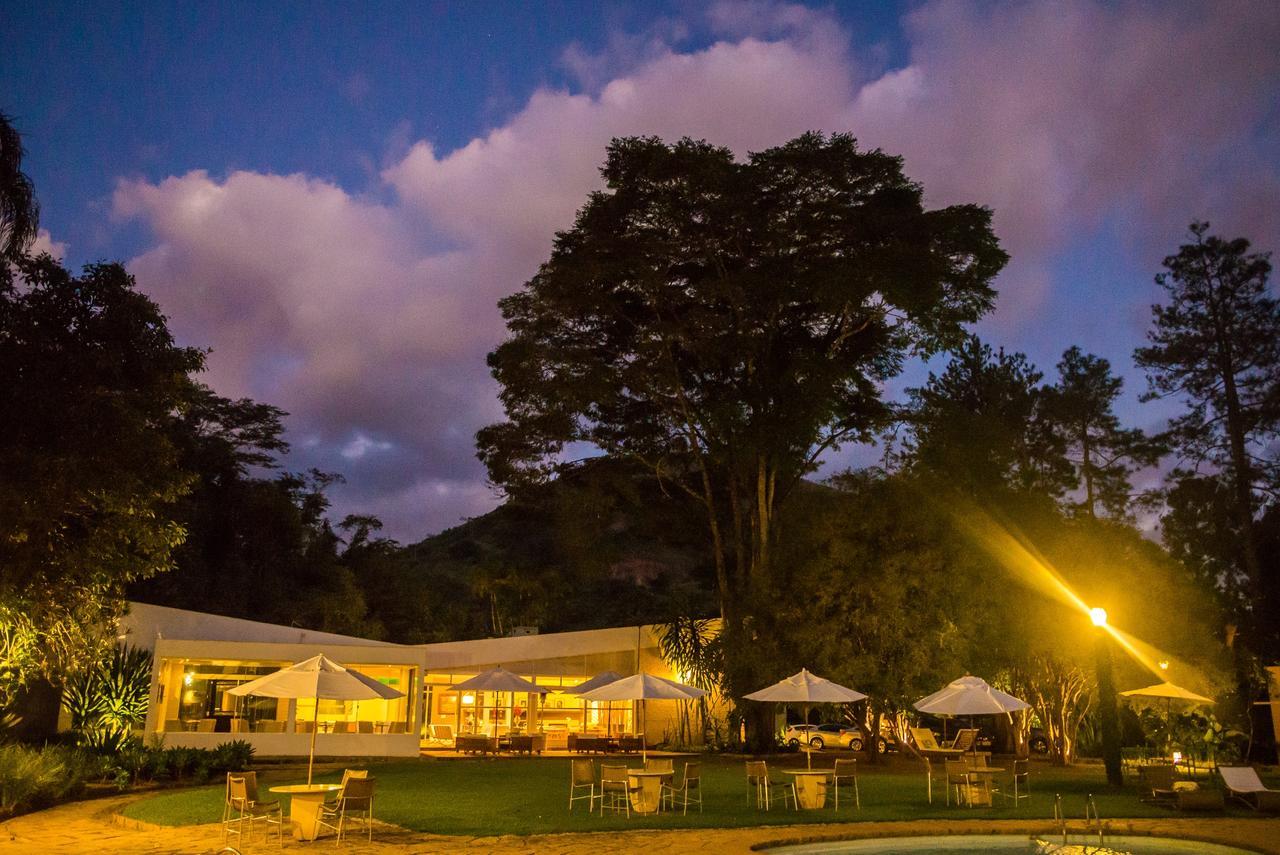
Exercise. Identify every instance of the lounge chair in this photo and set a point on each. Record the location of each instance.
(965, 739)
(1155, 783)
(440, 734)
(1244, 785)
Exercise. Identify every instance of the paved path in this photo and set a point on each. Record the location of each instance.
(93, 828)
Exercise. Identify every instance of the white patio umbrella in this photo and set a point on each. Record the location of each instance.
(317, 677)
(970, 696)
(499, 680)
(643, 687)
(807, 688)
(602, 679)
(1170, 693)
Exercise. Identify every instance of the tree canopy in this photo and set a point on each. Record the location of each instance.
(724, 323)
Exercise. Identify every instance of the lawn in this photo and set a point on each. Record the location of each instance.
(529, 796)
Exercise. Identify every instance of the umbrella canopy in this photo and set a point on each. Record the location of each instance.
(643, 687)
(499, 680)
(969, 696)
(807, 688)
(317, 677)
(594, 683)
(1167, 691)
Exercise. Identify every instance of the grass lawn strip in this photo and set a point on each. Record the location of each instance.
(523, 797)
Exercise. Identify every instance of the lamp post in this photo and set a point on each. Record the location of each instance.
(1108, 717)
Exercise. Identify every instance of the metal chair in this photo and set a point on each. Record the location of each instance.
(846, 770)
(355, 799)
(615, 784)
(582, 776)
(1021, 782)
(958, 780)
(241, 805)
(689, 792)
(766, 790)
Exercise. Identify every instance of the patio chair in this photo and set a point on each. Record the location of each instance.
(364, 727)
(397, 727)
(239, 725)
(440, 734)
(1244, 785)
(206, 725)
(241, 805)
(689, 792)
(958, 779)
(342, 727)
(846, 770)
(355, 799)
(582, 776)
(1155, 783)
(766, 790)
(616, 788)
(662, 764)
(174, 725)
(304, 726)
(1020, 783)
(270, 726)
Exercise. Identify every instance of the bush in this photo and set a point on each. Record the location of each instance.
(234, 756)
(36, 777)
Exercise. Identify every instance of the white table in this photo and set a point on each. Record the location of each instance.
(811, 787)
(305, 801)
(646, 792)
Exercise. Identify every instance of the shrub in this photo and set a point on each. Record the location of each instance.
(234, 756)
(36, 777)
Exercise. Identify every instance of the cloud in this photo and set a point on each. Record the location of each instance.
(44, 242)
(369, 321)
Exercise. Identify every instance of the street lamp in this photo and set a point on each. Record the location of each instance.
(1108, 717)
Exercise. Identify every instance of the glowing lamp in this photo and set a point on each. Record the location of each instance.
(187, 678)
(468, 698)
(1098, 616)
(1177, 757)
(1164, 664)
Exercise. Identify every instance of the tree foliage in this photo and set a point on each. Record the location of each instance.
(725, 323)
(19, 211)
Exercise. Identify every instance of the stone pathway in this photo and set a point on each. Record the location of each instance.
(95, 828)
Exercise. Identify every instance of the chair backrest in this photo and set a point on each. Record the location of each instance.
(692, 773)
(250, 784)
(582, 771)
(357, 793)
(1159, 776)
(965, 739)
(350, 775)
(1021, 768)
(207, 725)
(846, 769)
(304, 726)
(1241, 779)
(397, 727)
(364, 727)
(237, 790)
(957, 769)
(174, 725)
(924, 739)
(239, 725)
(757, 772)
(613, 774)
(659, 764)
(342, 727)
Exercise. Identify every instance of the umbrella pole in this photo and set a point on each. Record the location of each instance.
(808, 749)
(315, 725)
(644, 741)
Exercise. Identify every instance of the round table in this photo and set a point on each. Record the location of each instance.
(646, 792)
(980, 793)
(305, 801)
(811, 786)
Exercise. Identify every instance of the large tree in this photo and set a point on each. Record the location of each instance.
(1104, 453)
(91, 384)
(1216, 346)
(725, 323)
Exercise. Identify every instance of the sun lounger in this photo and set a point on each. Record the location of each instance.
(1155, 783)
(1244, 785)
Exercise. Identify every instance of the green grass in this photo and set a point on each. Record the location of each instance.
(529, 796)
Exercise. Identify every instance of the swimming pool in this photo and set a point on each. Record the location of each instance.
(1010, 843)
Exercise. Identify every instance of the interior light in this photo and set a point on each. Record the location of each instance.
(187, 678)
(1164, 664)
(468, 698)
(1098, 616)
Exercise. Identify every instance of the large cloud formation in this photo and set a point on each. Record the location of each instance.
(369, 321)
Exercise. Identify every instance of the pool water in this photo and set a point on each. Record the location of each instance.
(1010, 843)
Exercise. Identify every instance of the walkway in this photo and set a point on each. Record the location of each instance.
(92, 827)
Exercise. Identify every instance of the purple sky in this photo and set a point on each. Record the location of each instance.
(338, 230)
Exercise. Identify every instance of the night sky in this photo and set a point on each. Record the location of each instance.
(333, 196)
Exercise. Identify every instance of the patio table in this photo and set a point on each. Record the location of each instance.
(305, 801)
(811, 786)
(646, 792)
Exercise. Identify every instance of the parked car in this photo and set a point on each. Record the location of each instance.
(990, 735)
(833, 736)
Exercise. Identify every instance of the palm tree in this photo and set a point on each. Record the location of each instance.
(19, 212)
